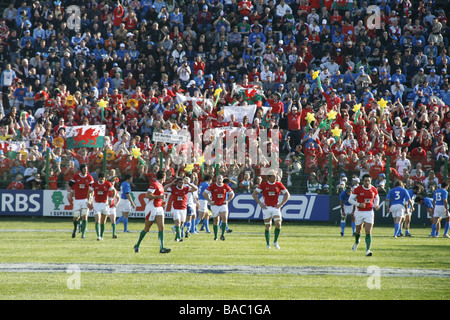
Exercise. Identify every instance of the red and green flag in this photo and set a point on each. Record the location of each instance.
(85, 136)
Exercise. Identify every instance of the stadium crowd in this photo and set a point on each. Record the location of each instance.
(295, 60)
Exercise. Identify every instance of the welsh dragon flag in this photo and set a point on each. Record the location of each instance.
(85, 136)
(250, 94)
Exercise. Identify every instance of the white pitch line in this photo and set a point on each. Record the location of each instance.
(217, 269)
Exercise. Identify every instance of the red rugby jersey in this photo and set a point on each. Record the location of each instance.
(157, 189)
(81, 186)
(218, 193)
(101, 191)
(271, 192)
(366, 196)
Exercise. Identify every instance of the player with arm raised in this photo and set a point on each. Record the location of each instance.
(100, 190)
(80, 184)
(179, 192)
(218, 195)
(271, 209)
(155, 211)
(365, 198)
(399, 199)
(440, 204)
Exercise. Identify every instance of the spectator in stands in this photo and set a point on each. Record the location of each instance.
(17, 184)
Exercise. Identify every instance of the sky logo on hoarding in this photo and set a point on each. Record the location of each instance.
(298, 207)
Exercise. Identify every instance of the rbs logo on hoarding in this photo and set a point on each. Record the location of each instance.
(299, 207)
(21, 202)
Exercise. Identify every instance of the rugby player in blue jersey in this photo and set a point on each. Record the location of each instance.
(347, 209)
(203, 212)
(126, 201)
(406, 221)
(440, 204)
(397, 201)
(428, 204)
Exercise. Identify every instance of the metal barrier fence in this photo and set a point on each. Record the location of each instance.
(330, 175)
(302, 175)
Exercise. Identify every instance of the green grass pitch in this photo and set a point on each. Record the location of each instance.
(38, 260)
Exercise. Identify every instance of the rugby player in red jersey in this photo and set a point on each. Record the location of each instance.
(365, 198)
(115, 200)
(218, 195)
(155, 211)
(80, 184)
(271, 209)
(100, 190)
(179, 194)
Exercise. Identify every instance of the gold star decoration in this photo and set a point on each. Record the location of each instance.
(310, 117)
(136, 152)
(382, 103)
(200, 160)
(102, 104)
(331, 115)
(336, 132)
(315, 74)
(189, 167)
(356, 107)
(181, 108)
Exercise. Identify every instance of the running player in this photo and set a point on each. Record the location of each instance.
(80, 184)
(347, 209)
(440, 204)
(218, 195)
(179, 194)
(100, 189)
(365, 198)
(203, 212)
(271, 190)
(417, 189)
(126, 201)
(399, 199)
(155, 211)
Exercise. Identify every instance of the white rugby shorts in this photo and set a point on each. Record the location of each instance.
(216, 210)
(80, 208)
(397, 210)
(364, 216)
(439, 212)
(101, 208)
(271, 212)
(153, 212)
(203, 206)
(348, 210)
(179, 214)
(124, 206)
